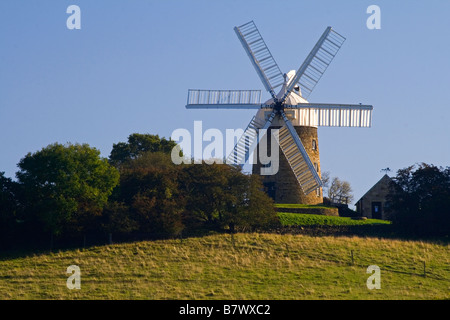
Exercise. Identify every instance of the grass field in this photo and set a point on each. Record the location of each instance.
(299, 219)
(245, 266)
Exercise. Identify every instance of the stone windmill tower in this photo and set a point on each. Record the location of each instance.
(287, 117)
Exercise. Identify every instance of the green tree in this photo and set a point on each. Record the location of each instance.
(65, 186)
(420, 199)
(137, 145)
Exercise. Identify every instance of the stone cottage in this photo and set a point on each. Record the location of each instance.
(373, 203)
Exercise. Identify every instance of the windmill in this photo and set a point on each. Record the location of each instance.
(287, 110)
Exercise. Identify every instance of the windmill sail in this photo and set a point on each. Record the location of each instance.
(248, 141)
(260, 56)
(316, 63)
(223, 99)
(297, 157)
(333, 115)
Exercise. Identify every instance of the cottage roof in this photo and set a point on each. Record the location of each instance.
(384, 179)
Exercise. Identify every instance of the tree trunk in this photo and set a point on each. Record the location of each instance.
(231, 225)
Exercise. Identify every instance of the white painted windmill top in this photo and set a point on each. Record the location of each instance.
(293, 99)
(295, 96)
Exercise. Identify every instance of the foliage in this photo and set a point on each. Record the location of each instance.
(166, 198)
(139, 144)
(116, 218)
(149, 187)
(260, 211)
(222, 195)
(65, 187)
(68, 189)
(8, 205)
(420, 199)
(251, 209)
(207, 191)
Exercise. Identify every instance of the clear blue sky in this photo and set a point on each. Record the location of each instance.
(129, 68)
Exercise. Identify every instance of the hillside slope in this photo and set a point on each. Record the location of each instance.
(246, 266)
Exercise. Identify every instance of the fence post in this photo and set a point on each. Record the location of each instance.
(232, 239)
(424, 269)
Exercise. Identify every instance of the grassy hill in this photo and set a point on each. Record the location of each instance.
(245, 266)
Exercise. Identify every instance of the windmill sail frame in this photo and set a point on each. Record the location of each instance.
(265, 65)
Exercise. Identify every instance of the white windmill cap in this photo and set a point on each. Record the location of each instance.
(295, 96)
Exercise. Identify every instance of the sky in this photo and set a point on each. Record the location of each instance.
(129, 67)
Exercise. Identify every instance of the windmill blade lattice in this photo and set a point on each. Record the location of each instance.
(316, 63)
(223, 99)
(333, 115)
(260, 56)
(248, 141)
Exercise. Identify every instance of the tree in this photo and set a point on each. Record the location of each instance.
(8, 206)
(420, 199)
(164, 199)
(65, 187)
(325, 176)
(340, 191)
(116, 218)
(137, 145)
(258, 210)
(223, 196)
(326, 179)
(206, 191)
(149, 187)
